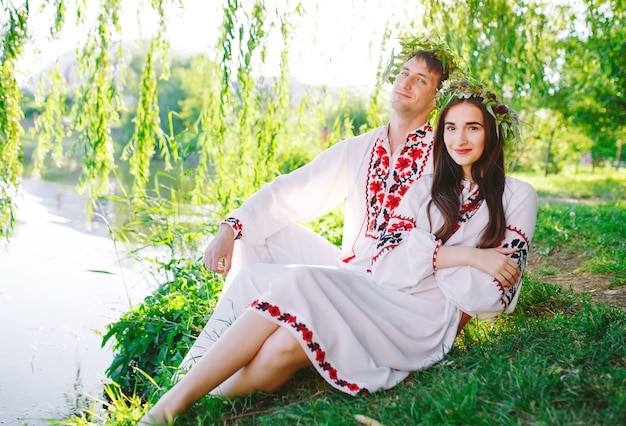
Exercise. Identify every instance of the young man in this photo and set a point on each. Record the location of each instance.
(371, 173)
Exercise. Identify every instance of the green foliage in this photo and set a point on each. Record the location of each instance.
(593, 85)
(161, 224)
(117, 409)
(293, 158)
(156, 334)
(349, 115)
(148, 134)
(241, 128)
(30, 105)
(410, 45)
(330, 226)
(540, 54)
(49, 128)
(506, 43)
(548, 136)
(97, 107)
(13, 32)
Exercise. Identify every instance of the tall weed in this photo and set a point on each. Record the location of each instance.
(157, 333)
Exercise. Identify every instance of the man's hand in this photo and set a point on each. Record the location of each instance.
(219, 253)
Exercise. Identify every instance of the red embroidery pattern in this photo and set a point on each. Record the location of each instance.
(468, 209)
(381, 202)
(435, 252)
(236, 226)
(307, 336)
(518, 232)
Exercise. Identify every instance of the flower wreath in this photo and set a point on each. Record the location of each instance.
(410, 46)
(507, 121)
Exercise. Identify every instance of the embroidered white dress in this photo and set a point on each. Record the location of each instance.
(365, 330)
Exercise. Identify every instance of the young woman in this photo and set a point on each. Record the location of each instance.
(455, 246)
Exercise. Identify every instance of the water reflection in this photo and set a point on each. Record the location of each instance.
(53, 306)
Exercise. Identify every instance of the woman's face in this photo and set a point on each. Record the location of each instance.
(464, 135)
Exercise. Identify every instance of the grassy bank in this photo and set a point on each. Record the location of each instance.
(559, 359)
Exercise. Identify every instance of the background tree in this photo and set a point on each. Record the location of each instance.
(592, 85)
(14, 33)
(564, 57)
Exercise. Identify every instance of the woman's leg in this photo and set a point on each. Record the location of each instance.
(280, 357)
(233, 350)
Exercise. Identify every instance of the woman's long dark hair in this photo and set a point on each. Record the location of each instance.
(487, 173)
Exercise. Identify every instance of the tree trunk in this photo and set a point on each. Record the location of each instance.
(546, 165)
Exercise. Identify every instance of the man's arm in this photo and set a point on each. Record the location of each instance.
(302, 195)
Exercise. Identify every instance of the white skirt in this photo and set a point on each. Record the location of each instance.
(358, 336)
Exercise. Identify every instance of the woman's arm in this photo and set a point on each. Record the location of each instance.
(494, 262)
(475, 290)
(408, 262)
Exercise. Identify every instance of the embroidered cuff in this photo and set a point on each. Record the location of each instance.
(235, 225)
(435, 255)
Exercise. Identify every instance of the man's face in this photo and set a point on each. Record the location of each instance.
(414, 88)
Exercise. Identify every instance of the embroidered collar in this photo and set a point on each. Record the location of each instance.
(385, 188)
(412, 137)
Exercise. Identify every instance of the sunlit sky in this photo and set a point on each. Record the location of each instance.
(336, 44)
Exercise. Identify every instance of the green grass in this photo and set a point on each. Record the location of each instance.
(555, 361)
(585, 184)
(590, 228)
(594, 233)
(558, 359)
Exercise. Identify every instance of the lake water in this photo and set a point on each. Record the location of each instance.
(54, 308)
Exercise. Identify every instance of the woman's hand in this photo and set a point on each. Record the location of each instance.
(492, 261)
(495, 262)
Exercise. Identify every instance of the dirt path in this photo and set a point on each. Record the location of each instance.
(598, 286)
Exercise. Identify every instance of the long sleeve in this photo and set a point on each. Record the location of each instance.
(477, 293)
(405, 250)
(301, 195)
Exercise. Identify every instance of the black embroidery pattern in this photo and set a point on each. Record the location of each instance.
(393, 235)
(517, 241)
